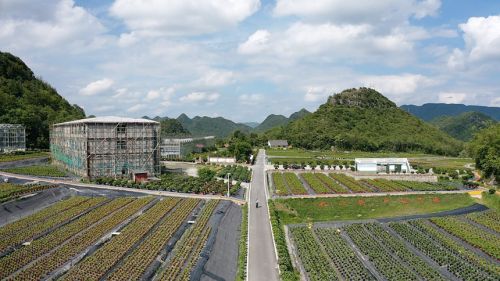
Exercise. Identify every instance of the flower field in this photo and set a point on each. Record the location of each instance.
(440, 248)
(72, 239)
(288, 183)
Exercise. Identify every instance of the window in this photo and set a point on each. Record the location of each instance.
(121, 128)
(121, 144)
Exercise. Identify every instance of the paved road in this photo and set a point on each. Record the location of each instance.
(262, 263)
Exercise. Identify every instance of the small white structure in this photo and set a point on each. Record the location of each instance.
(222, 160)
(382, 165)
(277, 143)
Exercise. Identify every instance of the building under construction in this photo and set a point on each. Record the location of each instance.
(12, 138)
(107, 147)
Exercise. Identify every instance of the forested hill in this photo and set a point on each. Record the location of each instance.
(463, 126)
(430, 111)
(27, 100)
(363, 119)
(274, 120)
(211, 126)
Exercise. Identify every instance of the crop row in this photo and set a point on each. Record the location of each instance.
(79, 243)
(38, 170)
(456, 248)
(490, 219)
(21, 190)
(188, 249)
(37, 229)
(425, 186)
(342, 256)
(334, 186)
(384, 185)
(440, 253)
(39, 247)
(385, 263)
(315, 183)
(279, 184)
(473, 235)
(135, 264)
(315, 262)
(350, 183)
(399, 249)
(97, 264)
(294, 183)
(16, 227)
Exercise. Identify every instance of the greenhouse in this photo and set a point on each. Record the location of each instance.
(107, 147)
(12, 138)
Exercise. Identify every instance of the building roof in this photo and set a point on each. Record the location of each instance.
(278, 142)
(380, 160)
(109, 119)
(11, 126)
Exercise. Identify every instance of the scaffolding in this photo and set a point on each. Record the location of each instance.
(12, 138)
(107, 147)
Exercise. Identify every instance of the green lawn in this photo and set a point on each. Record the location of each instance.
(27, 155)
(352, 208)
(38, 170)
(441, 162)
(491, 200)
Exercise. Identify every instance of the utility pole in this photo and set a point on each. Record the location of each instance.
(228, 174)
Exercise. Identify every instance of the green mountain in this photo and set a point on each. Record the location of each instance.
(363, 119)
(251, 124)
(211, 126)
(431, 111)
(27, 100)
(463, 126)
(273, 120)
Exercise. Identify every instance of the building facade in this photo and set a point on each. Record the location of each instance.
(277, 143)
(12, 138)
(382, 165)
(107, 147)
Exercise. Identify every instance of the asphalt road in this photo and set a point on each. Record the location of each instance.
(262, 263)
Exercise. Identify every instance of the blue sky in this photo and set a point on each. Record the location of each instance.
(246, 59)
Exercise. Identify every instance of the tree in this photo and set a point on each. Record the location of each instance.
(206, 174)
(485, 149)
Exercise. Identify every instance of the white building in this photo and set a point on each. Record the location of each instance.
(382, 165)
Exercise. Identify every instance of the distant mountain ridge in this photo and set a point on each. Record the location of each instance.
(430, 111)
(211, 126)
(363, 119)
(274, 120)
(463, 126)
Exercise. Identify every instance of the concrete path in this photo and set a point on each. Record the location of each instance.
(262, 262)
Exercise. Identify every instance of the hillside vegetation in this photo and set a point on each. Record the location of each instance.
(273, 121)
(463, 126)
(32, 102)
(363, 119)
(430, 111)
(211, 126)
(485, 149)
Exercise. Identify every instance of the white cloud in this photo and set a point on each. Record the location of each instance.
(136, 108)
(397, 87)
(196, 97)
(152, 95)
(316, 93)
(482, 42)
(215, 78)
(43, 24)
(330, 41)
(367, 11)
(97, 87)
(255, 43)
(250, 99)
(495, 102)
(181, 17)
(452, 97)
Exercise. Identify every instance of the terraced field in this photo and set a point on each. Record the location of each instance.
(290, 183)
(444, 248)
(102, 238)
